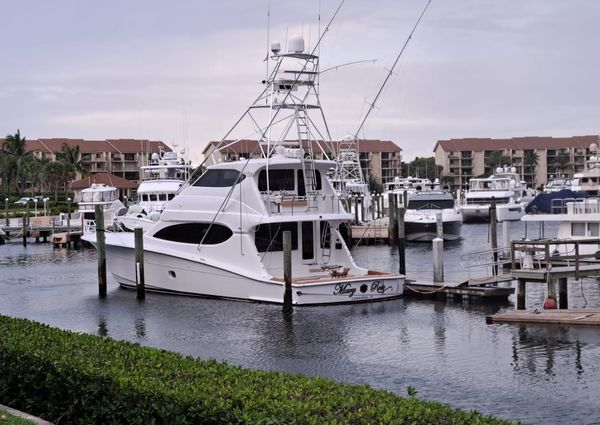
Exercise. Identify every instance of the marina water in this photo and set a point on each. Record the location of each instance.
(543, 374)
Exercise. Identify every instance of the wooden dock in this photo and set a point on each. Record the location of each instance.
(589, 317)
(457, 290)
(375, 231)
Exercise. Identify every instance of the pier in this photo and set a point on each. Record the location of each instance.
(62, 232)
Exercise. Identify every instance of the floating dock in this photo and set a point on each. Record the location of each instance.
(456, 290)
(589, 317)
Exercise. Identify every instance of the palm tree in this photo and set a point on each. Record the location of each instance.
(72, 156)
(497, 159)
(562, 162)
(57, 174)
(531, 160)
(14, 146)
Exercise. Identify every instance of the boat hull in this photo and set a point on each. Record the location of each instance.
(172, 274)
(427, 231)
(475, 212)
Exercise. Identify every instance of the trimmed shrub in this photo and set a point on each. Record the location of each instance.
(67, 377)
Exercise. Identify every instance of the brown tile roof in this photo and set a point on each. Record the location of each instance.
(251, 146)
(520, 143)
(106, 178)
(93, 146)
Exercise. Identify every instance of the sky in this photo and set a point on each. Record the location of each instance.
(183, 71)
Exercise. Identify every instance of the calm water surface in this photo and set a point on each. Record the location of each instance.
(534, 373)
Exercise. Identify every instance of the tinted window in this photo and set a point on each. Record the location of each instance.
(278, 180)
(194, 233)
(301, 188)
(422, 204)
(219, 178)
(269, 237)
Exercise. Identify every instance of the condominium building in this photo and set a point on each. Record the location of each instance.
(535, 158)
(380, 159)
(119, 157)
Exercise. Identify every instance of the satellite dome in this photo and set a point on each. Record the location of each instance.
(499, 170)
(593, 147)
(154, 157)
(275, 47)
(513, 169)
(296, 44)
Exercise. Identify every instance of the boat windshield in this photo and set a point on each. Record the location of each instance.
(490, 184)
(219, 178)
(102, 196)
(430, 204)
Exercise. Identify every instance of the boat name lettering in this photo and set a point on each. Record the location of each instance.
(344, 289)
(379, 287)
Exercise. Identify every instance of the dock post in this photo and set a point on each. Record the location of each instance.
(100, 239)
(391, 216)
(563, 297)
(25, 220)
(287, 272)
(6, 211)
(401, 239)
(552, 288)
(140, 284)
(356, 207)
(363, 210)
(69, 223)
(521, 284)
(373, 200)
(438, 250)
(506, 238)
(494, 234)
(380, 206)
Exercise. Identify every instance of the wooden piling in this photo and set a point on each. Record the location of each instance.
(356, 209)
(521, 286)
(506, 238)
(494, 234)
(563, 296)
(100, 247)
(25, 220)
(373, 200)
(379, 206)
(392, 216)
(401, 239)
(438, 250)
(552, 288)
(139, 263)
(287, 272)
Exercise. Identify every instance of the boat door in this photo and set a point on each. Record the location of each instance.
(307, 230)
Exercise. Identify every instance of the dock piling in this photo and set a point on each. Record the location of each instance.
(356, 208)
(287, 272)
(139, 263)
(494, 234)
(400, 231)
(521, 285)
(392, 216)
(438, 250)
(24, 230)
(100, 242)
(563, 297)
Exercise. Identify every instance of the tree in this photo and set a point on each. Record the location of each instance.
(497, 159)
(72, 156)
(562, 163)
(57, 174)
(530, 161)
(14, 148)
(424, 168)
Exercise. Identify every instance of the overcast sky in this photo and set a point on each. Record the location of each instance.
(183, 71)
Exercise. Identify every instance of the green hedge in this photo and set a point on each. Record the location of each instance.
(78, 378)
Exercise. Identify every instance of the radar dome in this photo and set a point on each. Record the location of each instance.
(296, 44)
(275, 47)
(155, 157)
(499, 170)
(593, 147)
(513, 169)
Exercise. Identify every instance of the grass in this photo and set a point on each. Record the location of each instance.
(8, 419)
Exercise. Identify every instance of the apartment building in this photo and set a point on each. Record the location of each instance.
(118, 157)
(380, 159)
(535, 158)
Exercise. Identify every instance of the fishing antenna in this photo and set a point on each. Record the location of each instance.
(390, 72)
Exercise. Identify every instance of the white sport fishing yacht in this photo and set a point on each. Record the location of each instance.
(222, 235)
(166, 174)
(588, 180)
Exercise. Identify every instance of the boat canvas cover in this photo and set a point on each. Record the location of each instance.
(543, 202)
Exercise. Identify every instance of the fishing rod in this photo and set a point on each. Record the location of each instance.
(390, 72)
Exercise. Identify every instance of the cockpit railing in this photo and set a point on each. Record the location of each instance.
(292, 204)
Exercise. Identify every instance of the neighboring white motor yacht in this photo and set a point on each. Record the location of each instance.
(588, 180)
(222, 235)
(420, 219)
(406, 184)
(98, 194)
(556, 184)
(166, 174)
(505, 186)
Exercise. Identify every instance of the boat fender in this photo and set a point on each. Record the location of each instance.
(550, 304)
